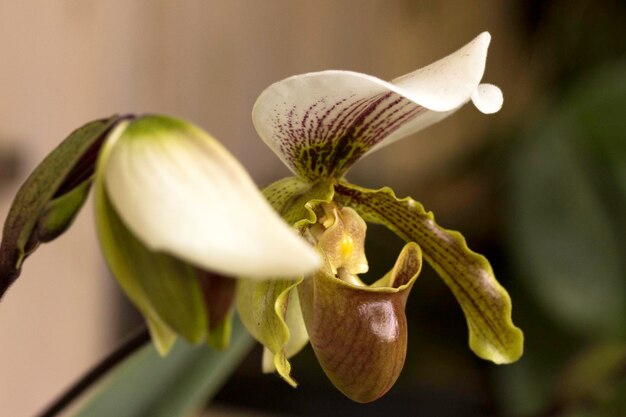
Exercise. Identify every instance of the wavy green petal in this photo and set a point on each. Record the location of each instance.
(294, 199)
(485, 303)
(298, 337)
(359, 333)
(263, 308)
(270, 309)
(164, 289)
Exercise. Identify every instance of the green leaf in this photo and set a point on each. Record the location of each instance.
(269, 309)
(164, 289)
(147, 385)
(50, 198)
(486, 305)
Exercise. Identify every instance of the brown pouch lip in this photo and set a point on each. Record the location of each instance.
(359, 333)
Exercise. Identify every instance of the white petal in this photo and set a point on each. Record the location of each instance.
(448, 83)
(180, 192)
(319, 124)
(488, 98)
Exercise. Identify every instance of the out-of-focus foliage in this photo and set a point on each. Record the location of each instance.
(149, 385)
(569, 197)
(567, 194)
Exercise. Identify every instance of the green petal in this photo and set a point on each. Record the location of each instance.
(264, 308)
(51, 197)
(270, 309)
(219, 335)
(486, 305)
(298, 337)
(359, 333)
(294, 199)
(163, 337)
(164, 289)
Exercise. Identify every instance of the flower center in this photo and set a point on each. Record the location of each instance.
(340, 235)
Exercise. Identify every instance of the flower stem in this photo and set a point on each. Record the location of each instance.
(7, 277)
(128, 347)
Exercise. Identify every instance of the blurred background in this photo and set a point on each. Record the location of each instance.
(539, 188)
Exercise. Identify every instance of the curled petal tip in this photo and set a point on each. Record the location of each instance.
(484, 37)
(488, 98)
(447, 84)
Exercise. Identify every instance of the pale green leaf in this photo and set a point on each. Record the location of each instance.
(148, 385)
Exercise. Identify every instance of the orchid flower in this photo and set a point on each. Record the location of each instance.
(178, 218)
(319, 125)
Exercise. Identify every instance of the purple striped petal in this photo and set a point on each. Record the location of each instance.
(321, 123)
